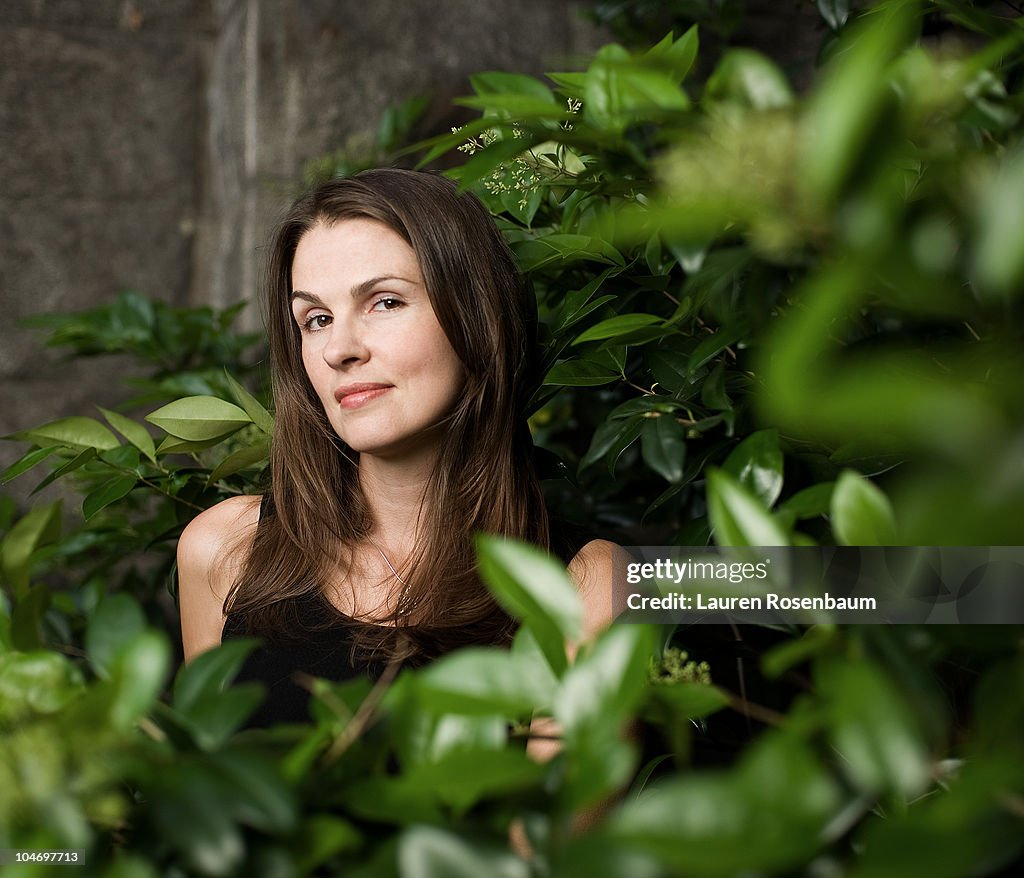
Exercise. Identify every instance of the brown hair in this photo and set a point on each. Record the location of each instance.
(484, 479)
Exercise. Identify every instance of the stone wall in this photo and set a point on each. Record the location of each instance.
(149, 144)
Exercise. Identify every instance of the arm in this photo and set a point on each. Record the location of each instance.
(206, 570)
(592, 571)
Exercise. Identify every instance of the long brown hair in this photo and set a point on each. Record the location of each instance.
(484, 478)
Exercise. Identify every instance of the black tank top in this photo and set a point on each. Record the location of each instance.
(324, 651)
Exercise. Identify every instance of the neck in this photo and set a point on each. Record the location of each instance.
(394, 490)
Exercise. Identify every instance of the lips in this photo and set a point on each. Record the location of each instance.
(353, 396)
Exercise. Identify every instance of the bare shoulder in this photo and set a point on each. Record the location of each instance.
(592, 568)
(214, 530)
(208, 562)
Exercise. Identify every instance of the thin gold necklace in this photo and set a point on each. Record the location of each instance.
(391, 566)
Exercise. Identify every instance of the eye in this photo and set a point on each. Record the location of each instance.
(387, 303)
(314, 324)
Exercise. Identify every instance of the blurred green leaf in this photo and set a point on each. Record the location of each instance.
(879, 744)
(534, 589)
(429, 852)
(861, 513)
(999, 248)
(737, 516)
(835, 12)
(607, 681)
(729, 823)
(810, 502)
(210, 672)
(676, 56)
(138, 671)
(322, 836)
(750, 78)
(38, 527)
(481, 682)
(850, 101)
(115, 623)
(757, 464)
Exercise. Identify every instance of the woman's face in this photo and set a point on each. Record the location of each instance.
(373, 349)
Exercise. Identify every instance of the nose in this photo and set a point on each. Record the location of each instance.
(345, 345)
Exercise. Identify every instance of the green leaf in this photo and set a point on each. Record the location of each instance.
(210, 672)
(686, 701)
(76, 432)
(38, 682)
(580, 373)
(26, 462)
(675, 56)
(486, 681)
(757, 463)
(190, 813)
(606, 682)
(173, 445)
(999, 249)
(810, 502)
(137, 674)
(629, 435)
(320, 837)
(215, 717)
(620, 90)
(40, 526)
(850, 101)
(263, 800)
(744, 821)
(861, 513)
(712, 346)
(737, 516)
(781, 658)
(252, 406)
(835, 12)
(613, 327)
(199, 418)
(499, 82)
(749, 78)
(464, 776)
(133, 432)
(109, 492)
(578, 303)
(534, 589)
(429, 852)
(535, 253)
(879, 745)
(115, 623)
(663, 447)
(608, 436)
(239, 460)
(78, 461)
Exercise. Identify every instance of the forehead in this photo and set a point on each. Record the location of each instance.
(348, 252)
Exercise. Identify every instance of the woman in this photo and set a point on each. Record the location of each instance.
(399, 339)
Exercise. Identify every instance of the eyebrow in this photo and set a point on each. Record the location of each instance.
(356, 292)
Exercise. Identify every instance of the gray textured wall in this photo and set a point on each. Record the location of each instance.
(149, 144)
